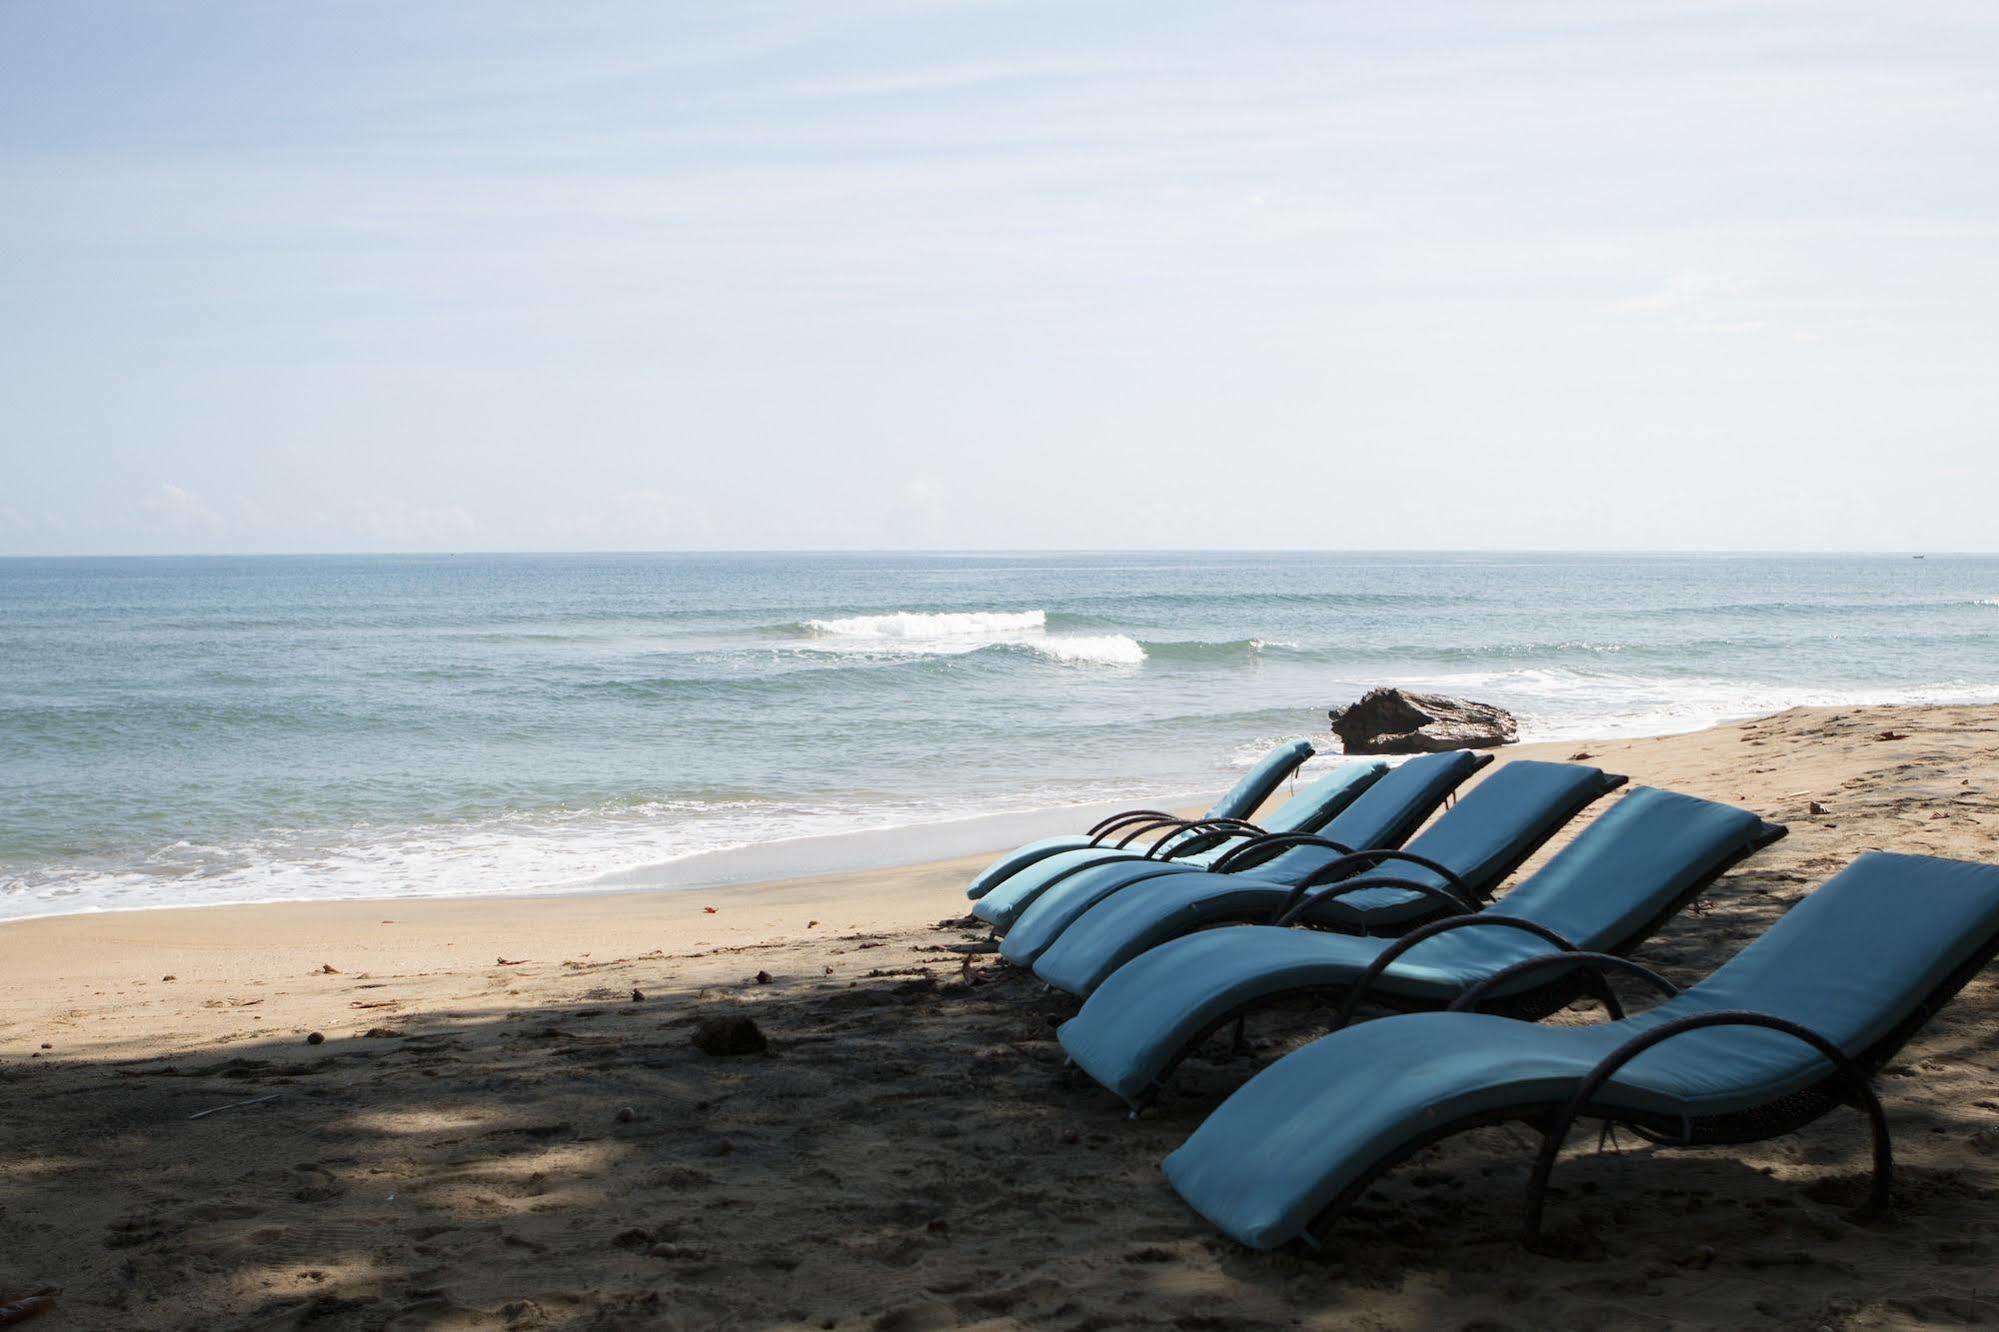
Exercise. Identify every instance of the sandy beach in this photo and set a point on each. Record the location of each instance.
(507, 1124)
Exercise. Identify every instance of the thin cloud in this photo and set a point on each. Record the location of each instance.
(180, 509)
(947, 78)
(1687, 289)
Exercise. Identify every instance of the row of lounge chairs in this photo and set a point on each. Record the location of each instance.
(1336, 904)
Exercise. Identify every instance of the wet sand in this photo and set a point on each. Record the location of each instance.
(507, 1123)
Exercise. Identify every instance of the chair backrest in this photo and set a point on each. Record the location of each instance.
(1385, 814)
(1323, 798)
(1501, 821)
(1859, 958)
(1243, 799)
(1397, 805)
(1634, 865)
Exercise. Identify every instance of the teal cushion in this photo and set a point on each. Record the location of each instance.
(1850, 962)
(1495, 826)
(1238, 802)
(1004, 902)
(1242, 800)
(1601, 892)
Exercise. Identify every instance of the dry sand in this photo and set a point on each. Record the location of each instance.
(531, 1144)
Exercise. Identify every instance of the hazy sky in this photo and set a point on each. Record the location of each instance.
(532, 276)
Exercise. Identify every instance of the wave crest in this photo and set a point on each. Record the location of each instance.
(1100, 649)
(903, 634)
(905, 625)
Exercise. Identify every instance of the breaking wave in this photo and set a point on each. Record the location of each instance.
(906, 625)
(953, 633)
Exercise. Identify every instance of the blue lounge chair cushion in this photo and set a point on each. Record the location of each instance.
(1495, 826)
(1516, 809)
(1309, 809)
(1383, 815)
(1601, 893)
(1851, 962)
(1238, 802)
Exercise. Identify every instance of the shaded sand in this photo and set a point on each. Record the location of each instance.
(479, 1145)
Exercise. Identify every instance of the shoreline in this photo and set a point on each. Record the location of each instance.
(505, 1123)
(923, 840)
(1007, 829)
(761, 865)
(594, 898)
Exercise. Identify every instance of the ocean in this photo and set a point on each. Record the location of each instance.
(179, 731)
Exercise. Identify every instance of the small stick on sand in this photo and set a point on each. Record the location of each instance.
(233, 1105)
(21, 1310)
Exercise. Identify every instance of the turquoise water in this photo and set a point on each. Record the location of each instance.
(240, 729)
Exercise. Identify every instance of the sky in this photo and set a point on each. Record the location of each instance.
(1525, 274)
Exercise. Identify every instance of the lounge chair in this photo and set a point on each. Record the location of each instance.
(1613, 886)
(1239, 802)
(1454, 864)
(1207, 840)
(1788, 1029)
(1385, 815)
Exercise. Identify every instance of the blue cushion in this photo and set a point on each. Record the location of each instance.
(1319, 801)
(1851, 961)
(1515, 810)
(1494, 827)
(1385, 807)
(1238, 802)
(1606, 887)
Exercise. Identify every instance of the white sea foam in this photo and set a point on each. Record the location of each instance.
(548, 851)
(927, 634)
(905, 625)
(1100, 649)
(1561, 703)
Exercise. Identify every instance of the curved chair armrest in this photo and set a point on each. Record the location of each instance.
(1105, 827)
(1601, 963)
(1551, 1144)
(1138, 828)
(1450, 899)
(1216, 830)
(1358, 860)
(1270, 844)
(1386, 958)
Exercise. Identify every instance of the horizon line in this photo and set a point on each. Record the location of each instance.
(1906, 552)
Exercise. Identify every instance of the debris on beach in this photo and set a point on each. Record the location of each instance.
(732, 1035)
(517, 962)
(763, 978)
(1396, 721)
(315, 1038)
(233, 1105)
(328, 969)
(29, 1306)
